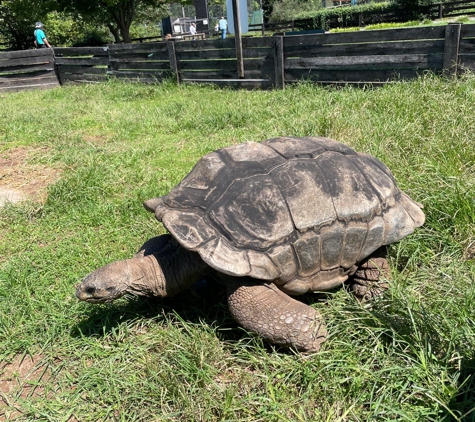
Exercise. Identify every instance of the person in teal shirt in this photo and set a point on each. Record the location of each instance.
(223, 26)
(40, 37)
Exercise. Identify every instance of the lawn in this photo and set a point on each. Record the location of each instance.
(409, 356)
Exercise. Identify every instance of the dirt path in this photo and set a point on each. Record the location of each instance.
(20, 180)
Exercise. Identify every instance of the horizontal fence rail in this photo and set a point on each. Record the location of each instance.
(27, 69)
(365, 57)
(81, 64)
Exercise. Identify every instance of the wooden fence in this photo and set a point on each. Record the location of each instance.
(146, 62)
(356, 57)
(453, 8)
(88, 64)
(27, 69)
(364, 57)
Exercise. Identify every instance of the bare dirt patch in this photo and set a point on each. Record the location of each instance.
(21, 379)
(21, 180)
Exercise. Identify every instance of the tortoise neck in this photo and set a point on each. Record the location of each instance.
(168, 272)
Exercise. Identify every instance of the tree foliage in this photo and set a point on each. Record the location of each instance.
(66, 29)
(117, 15)
(414, 9)
(285, 10)
(327, 18)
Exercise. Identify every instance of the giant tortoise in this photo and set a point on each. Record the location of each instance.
(269, 220)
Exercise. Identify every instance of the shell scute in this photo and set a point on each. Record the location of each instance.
(303, 186)
(353, 197)
(283, 258)
(219, 254)
(375, 237)
(332, 238)
(189, 228)
(253, 213)
(307, 249)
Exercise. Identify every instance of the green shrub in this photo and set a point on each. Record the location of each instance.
(345, 16)
(63, 29)
(284, 10)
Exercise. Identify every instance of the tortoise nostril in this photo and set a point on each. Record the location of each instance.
(90, 290)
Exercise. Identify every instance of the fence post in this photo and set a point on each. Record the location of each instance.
(451, 49)
(441, 14)
(238, 39)
(172, 59)
(279, 62)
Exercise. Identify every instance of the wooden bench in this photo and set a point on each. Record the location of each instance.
(189, 37)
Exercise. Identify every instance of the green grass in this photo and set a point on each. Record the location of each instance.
(409, 24)
(408, 357)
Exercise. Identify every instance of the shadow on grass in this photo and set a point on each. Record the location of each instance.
(104, 319)
(463, 403)
(212, 310)
(419, 335)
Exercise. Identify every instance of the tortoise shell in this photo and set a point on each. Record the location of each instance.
(298, 211)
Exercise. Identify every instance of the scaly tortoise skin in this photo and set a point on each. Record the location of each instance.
(270, 220)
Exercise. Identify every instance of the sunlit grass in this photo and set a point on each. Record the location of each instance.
(409, 357)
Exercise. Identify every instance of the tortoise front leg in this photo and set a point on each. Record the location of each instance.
(275, 316)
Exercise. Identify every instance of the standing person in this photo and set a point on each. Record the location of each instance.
(193, 30)
(40, 37)
(223, 26)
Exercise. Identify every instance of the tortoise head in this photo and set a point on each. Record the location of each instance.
(106, 284)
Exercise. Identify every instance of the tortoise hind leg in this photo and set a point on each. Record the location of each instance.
(265, 310)
(371, 276)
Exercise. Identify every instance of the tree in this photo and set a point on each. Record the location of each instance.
(285, 10)
(413, 9)
(117, 15)
(267, 7)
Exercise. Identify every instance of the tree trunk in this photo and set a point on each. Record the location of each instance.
(125, 32)
(123, 15)
(115, 32)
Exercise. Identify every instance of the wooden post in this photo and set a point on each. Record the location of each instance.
(441, 15)
(279, 62)
(172, 59)
(360, 20)
(451, 49)
(238, 39)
